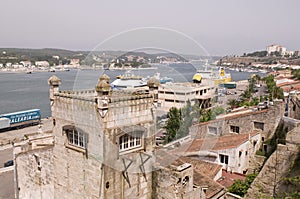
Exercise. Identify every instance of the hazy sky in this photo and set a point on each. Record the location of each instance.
(222, 27)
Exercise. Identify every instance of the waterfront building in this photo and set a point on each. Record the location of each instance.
(42, 64)
(26, 63)
(178, 94)
(75, 62)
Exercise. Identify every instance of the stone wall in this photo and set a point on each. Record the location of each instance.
(169, 183)
(34, 166)
(256, 163)
(274, 170)
(294, 107)
(245, 121)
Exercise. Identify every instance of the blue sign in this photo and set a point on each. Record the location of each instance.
(24, 116)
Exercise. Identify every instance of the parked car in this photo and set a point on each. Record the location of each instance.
(263, 105)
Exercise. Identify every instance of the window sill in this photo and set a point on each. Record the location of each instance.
(131, 150)
(75, 148)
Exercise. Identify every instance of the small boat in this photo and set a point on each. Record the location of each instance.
(129, 76)
(52, 70)
(162, 80)
(165, 80)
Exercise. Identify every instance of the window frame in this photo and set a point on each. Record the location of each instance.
(224, 159)
(127, 142)
(75, 138)
(259, 125)
(234, 129)
(213, 130)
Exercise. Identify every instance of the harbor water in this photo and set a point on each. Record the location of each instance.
(21, 91)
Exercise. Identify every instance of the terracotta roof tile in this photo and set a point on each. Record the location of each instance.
(213, 187)
(228, 178)
(216, 143)
(203, 172)
(202, 180)
(207, 168)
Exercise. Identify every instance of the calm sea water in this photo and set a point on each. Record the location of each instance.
(20, 91)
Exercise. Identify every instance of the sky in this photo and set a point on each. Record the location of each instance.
(216, 27)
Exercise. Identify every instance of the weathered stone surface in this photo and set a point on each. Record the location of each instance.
(275, 169)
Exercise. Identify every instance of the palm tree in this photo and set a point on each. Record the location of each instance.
(233, 103)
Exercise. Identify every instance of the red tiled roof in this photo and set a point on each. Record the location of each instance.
(216, 143)
(291, 87)
(287, 83)
(208, 168)
(202, 177)
(228, 178)
(213, 188)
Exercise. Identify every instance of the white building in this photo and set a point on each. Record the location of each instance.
(233, 152)
(276, 48)
(297, 53)
(288, 53)
(26, 63)
(75, 62)
(42, 63)
(178, 94)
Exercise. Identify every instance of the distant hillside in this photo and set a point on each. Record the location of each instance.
(62, 56)
(31, 53)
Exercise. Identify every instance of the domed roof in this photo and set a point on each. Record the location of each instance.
(102, 86)
(104, 77)
(153, 82)
(54, 81)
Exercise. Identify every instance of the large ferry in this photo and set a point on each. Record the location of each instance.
(218, 76)
(129, 80)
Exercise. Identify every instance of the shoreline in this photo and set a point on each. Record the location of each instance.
(73, 69)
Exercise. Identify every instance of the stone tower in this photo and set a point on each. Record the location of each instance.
(101, 146)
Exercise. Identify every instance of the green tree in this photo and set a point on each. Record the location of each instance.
(233, 103)
(296, 74)
(186, 120)
(273, 90)
(205, 115)
(173, 124)
(240, 187)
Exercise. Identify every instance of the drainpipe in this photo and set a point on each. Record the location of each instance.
(15, 173)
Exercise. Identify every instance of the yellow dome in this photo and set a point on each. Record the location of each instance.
(197, 77)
